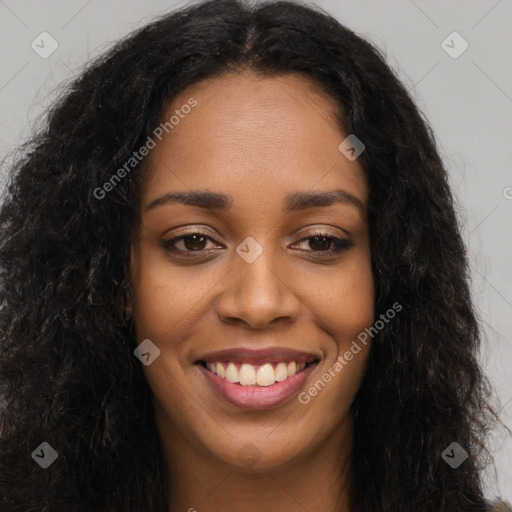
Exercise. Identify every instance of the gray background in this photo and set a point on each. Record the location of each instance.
(468, 101)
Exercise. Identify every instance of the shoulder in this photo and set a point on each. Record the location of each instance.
(500, 506)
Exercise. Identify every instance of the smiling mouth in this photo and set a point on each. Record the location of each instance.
(260, 375)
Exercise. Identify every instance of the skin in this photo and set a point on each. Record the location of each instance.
(257, 139)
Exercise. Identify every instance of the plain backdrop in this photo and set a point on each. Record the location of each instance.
(467, 98)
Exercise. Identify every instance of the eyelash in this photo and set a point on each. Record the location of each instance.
(340, 244)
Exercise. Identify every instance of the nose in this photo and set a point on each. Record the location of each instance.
(258, 294)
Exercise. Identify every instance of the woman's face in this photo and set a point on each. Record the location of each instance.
(249, 277)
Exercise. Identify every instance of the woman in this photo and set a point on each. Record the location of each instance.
(233, 278)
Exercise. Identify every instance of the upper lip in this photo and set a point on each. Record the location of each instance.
(259, 356)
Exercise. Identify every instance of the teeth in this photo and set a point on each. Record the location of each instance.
(281, 372)
(232, 373)
(249, 375)
(265, 376)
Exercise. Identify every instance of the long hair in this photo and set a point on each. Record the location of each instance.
(68, 375)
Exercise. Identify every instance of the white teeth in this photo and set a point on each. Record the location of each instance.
(265, 376)
(281, 372)
(232, 373)
(249, 375)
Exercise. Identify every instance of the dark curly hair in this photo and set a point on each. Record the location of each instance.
(68, 375)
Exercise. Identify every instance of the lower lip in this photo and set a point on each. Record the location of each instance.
(257, 397)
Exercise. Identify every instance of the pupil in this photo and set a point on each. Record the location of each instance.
(194, 242)
(320, 247)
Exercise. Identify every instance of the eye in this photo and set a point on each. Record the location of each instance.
(191, 243)
(196, 243)
(325, 244)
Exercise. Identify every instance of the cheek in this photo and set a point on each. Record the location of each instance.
(155, 301)
(165, 299)
(354, 313)
(356, 303)
(350, 311)
(345, 303)
(157, 304)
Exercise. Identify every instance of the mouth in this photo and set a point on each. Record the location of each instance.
(257, 379)
(262, 375)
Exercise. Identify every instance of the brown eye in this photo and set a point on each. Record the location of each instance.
(325, 244)
(320, 243)
(187, 244)
(194, 242)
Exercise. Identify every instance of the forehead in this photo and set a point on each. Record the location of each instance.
(249, 133)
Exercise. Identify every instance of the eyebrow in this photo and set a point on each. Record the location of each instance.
(293, 202)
